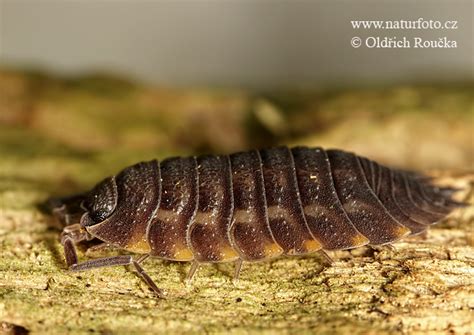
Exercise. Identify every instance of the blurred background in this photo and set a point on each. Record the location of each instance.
(257, 44)
(87, 87)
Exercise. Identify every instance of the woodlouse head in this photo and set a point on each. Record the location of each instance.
(100, 202)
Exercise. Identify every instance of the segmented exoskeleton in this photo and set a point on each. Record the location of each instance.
(249, 206)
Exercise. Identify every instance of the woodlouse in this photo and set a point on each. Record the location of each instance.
(248, 206)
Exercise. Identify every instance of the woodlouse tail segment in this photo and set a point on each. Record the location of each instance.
(441, 197)
(447, 192)
(421, 201)
(410, 197)
(415, 196)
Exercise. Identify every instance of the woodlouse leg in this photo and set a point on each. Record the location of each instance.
(192, 271)
(146, 277)
(101, 262)
(69, 237)
(69, 251)
(74, 234)
(327, 258)
(238, 267)
(390, 247)
(117, 261)
(424, 235)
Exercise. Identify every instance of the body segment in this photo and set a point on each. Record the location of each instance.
(285, 213)
(250, 229)
(324, 213)
(207, 233)
(179, 199)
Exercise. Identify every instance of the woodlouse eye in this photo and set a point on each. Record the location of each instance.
(99, 216)
(101, 200)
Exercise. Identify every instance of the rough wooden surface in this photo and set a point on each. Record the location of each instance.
(426, 284)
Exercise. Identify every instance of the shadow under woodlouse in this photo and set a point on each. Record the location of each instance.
(249, 206)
